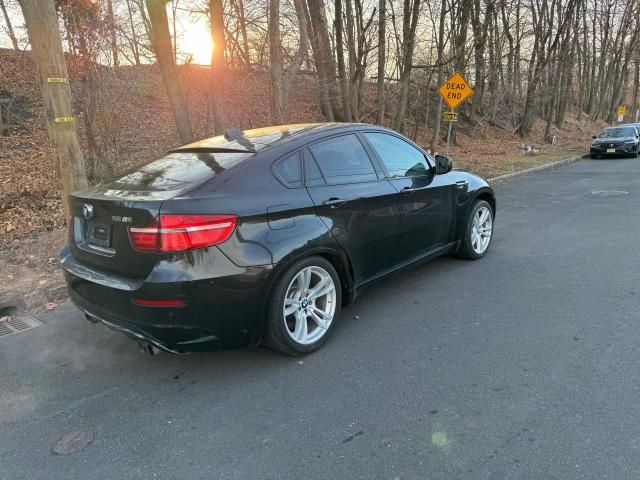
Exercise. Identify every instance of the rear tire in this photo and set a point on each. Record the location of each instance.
(478, 231)
(305, 304)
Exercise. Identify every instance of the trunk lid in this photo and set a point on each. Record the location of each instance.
(99, 235)
(102, 215)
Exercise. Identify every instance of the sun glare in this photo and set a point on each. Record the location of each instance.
(195, 41)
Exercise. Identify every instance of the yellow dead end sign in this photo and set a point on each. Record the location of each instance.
(621, 110)
(455, 90)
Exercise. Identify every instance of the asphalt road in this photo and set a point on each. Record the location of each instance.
(522, 365)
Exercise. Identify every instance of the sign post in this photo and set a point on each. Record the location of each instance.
(620, 112)
(454, 91)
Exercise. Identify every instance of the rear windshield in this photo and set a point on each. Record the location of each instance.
(179, 171)
(618, 132)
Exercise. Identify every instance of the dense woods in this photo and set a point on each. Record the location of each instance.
(378, 61)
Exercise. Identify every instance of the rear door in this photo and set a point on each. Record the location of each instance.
(359, 208)
(426, 199)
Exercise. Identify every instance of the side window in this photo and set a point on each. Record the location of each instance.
(312, 174)
(290, 170)
(401, 158)
(343, 159)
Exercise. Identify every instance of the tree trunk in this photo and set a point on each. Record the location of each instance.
(161, 41)
(218, 66)
(275, 56)
(112, 33)
(636, 88)
(382, 20)
(134, 36)
(440, 47)
(46, 46)
(342, 74)
(7, 20)
(300, 55)
(410, 20)
(321, 45)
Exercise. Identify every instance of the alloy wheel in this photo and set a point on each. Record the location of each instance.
(309, 305)
(481, 230)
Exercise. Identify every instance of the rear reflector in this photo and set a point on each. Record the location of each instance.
(159, 303)
(177, 233)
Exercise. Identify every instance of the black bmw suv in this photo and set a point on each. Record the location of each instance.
(620, 140)
(261, 236)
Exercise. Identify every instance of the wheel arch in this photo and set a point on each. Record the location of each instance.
(337, 258)
(488, 197)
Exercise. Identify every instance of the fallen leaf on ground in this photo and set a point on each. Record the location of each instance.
(50, 306)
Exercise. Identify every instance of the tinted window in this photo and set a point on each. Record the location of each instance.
(179, 171)
(312, 172)
(401, 158)
(289, 170)
(343, 160)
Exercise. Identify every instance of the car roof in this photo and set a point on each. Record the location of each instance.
(619, 127)
(259, 139)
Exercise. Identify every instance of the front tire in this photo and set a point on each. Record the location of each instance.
(304, 307)
(478, 231)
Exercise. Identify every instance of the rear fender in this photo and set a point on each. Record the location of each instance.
(334, 254)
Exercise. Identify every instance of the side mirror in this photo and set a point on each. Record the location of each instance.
(593, 136)
(443, 164)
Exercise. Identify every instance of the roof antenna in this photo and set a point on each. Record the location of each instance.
(233, 133)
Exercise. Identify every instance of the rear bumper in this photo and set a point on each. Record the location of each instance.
(221, 311)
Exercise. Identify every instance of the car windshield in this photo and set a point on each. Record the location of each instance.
(618, 132)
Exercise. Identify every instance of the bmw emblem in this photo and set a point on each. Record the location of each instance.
(305, 303)
(87, 211)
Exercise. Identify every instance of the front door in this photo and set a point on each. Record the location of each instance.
(359, 208)
(426, 199)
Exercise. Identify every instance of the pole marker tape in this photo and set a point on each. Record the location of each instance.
(65, 119)
(57, 80)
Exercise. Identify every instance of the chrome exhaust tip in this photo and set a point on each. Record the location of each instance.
(148, 349)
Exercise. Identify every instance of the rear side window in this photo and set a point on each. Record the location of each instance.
(289, 170)
(343, 159)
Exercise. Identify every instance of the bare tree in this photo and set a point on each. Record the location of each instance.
(7, 21)
(218, 66)
(112, 31)
(382, 20)
(161, 41)
(409, 23)
(275, 55)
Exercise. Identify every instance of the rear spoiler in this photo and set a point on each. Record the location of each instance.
(210, 150)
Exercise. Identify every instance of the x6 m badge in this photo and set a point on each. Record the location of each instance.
(87, 211)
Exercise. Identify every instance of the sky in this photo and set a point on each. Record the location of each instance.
(193, 35)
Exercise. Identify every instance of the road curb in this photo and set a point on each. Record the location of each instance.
(34, 300)
(520, 173)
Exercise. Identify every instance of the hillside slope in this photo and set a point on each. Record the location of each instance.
(133, 124)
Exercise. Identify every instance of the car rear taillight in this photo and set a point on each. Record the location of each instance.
(177, 233)
(159, 303)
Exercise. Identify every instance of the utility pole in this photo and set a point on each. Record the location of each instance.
(46, 51)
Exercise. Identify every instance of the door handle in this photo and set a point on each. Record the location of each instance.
(407, 190)
(334, 202)
(462, 184)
